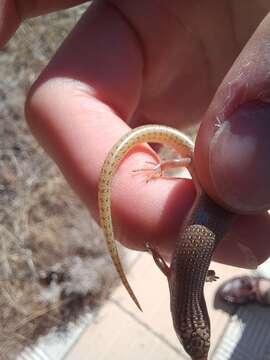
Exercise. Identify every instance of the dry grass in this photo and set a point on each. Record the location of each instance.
(53, 261)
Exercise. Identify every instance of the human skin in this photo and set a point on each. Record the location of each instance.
(127, 64)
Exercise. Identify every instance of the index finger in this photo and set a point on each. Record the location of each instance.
(78, 109)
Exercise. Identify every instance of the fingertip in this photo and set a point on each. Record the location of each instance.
(232, 150)
(148, 211)
(247, 243)
(232, 159)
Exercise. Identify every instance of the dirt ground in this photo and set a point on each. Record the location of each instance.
(53, 262)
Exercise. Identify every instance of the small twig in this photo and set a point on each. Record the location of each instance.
(12, 303)
(37, 314)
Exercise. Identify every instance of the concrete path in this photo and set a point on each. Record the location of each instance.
(122, 332)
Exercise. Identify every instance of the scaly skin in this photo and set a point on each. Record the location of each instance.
(204, 227)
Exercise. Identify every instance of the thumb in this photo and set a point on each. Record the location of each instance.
(232, 153)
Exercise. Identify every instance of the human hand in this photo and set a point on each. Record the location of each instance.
(128, 63)
(13, 12)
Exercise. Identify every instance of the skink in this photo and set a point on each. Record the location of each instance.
(205, 225)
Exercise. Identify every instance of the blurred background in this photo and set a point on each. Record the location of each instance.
(55, 272)
(53, 261)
